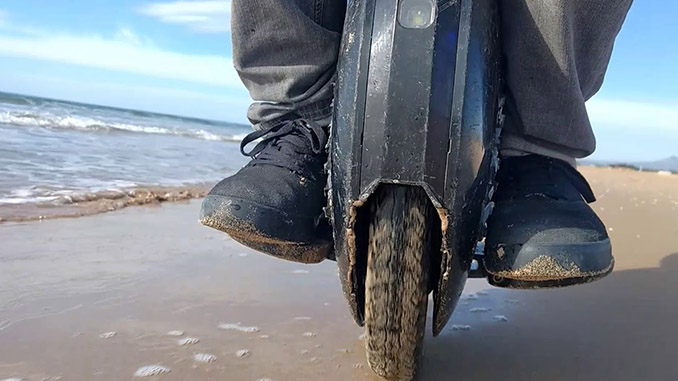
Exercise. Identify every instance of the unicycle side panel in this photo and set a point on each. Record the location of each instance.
(472, 161)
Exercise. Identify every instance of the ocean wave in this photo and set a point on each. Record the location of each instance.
(61, 197)
(16, 100)
(76, 204)
(86, 124)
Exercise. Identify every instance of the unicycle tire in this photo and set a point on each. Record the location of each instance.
(397, 280)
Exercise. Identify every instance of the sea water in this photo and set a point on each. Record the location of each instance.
(54, 151)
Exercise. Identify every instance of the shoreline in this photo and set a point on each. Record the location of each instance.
(112, 200)
(101, 202)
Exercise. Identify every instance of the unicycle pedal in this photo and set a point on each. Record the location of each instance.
(477, 269)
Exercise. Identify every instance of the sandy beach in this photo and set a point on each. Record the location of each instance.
(99, 297)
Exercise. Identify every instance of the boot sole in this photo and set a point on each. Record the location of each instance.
(255, 225)
(552, 266)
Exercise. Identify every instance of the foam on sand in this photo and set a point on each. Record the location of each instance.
(204, 358)
(479, 309)
(107, 335)
(151, 370)
(188, 341)
(242, 353)
(238, 327)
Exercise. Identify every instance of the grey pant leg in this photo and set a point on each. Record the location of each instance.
(557, 52)
(285, 52)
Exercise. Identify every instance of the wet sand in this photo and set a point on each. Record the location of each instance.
(94, 298)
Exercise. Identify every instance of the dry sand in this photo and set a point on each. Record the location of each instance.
(97, 298)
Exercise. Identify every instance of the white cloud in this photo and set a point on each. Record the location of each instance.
(633, 115)
(212, 16)
(125, 52)
(126, 35)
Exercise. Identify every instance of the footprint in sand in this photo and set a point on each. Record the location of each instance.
(151, 370)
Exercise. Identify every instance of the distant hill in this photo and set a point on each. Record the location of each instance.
(669, 164)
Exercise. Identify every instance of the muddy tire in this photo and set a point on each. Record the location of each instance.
(396, 284)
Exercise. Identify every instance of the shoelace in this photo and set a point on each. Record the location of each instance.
(284, 145)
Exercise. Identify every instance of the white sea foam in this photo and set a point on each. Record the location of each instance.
(204, 358)
(107, 335)
(151, 370)
(242, 353)
(188, 341)
(238, 327)
(87, 124)
(479, 309)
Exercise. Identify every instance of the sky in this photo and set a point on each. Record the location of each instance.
(175, 57)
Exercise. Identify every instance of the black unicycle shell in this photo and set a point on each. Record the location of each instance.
(416, 107)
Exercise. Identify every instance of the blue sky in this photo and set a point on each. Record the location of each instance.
(174, 56)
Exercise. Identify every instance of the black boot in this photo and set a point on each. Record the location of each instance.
(274, 204)
(542, 232)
